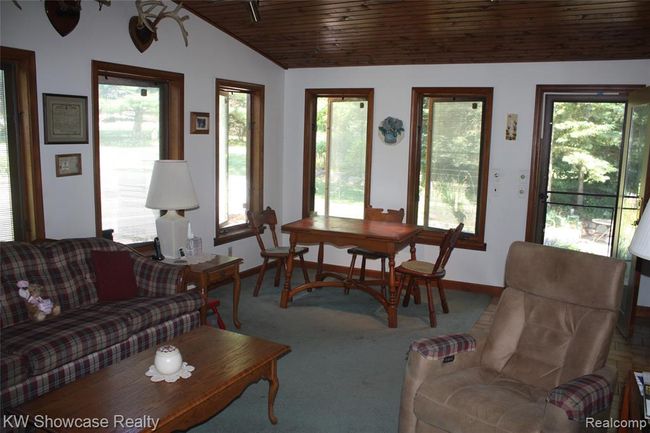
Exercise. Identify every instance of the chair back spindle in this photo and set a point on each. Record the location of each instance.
(259, 220)
(447, 246)
(377, 214)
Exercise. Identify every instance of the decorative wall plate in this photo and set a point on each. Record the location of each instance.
(391, 130)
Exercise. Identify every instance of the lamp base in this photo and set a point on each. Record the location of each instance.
(172, 233)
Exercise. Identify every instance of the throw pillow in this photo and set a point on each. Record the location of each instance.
(114, 277)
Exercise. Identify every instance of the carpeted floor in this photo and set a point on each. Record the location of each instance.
(344, 373)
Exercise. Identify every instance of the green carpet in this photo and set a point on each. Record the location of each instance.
(344, 372)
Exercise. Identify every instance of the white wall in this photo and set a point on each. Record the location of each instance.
(64, 66)
(514, 92)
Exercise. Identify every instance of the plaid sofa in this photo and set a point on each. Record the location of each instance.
(37, 357)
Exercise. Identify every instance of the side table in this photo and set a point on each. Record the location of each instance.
(631, 406)
(216, 270)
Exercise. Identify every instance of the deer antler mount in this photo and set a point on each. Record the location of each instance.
(63, 14)
(143, 28)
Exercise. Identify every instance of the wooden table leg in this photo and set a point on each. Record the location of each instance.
(235, 298)
(286, 291)
(392, 301)
(203, 287)
(274, 385)
(319, 265)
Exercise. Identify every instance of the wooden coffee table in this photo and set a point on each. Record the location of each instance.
(226, 363)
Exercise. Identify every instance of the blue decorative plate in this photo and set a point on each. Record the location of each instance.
(391, 130)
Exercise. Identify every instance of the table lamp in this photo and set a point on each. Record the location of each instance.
(171, 189)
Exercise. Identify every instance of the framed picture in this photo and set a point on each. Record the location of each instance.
(68, 164)
(199, 123)
(65, 118)
(511, 126)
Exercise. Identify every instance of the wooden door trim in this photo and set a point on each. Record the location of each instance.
(28, 138)
(174, 142)
(309, 164)
(538, 125)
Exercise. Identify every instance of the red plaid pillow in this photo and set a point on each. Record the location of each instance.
(114, 275)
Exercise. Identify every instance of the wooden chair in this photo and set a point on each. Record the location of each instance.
(374, 214)
(418, 270)
(258, 221)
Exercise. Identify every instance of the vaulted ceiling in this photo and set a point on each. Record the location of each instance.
(318, 33)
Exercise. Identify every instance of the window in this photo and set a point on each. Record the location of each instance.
(21, 202)
(449, 156)
(136, 114)
(240, 144)
(337, 152)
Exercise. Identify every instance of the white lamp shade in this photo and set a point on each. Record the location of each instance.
(640, 245)
(171, 186)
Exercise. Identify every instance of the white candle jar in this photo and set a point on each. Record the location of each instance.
(168, 359)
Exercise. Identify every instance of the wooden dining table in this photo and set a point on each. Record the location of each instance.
(384, 237)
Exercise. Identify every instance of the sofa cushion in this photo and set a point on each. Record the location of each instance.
(13, 369)
(21, 261)
(480, 400)
(71, 269)
(56, 341)
(156, 278)
(545, 342)
(144, 312)
(114, 277)
(564, 275)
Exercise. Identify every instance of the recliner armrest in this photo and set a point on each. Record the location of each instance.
(582, 397)
(444, 346)
(432, 357)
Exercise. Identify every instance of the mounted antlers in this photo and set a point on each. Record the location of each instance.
(143, 28)
(64, 14)
(63, 5)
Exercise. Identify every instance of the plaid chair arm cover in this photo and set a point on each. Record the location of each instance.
(445, 345)
(156, 278)
(582, 397)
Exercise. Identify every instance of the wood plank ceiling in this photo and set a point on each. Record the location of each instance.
(320, 33)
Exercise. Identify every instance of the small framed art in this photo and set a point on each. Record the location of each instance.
(199, 123)
(68, 164)
(65, 119)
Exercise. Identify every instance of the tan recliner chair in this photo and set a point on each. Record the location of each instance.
(540, 368)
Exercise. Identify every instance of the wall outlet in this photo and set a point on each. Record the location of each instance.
(230, 251)
(495, 181)
(522, 187)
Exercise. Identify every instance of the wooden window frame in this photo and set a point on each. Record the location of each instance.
(174, 138)
(27, 138)
(538, 126)
(256, 169)
(309, 150)
(433, 236)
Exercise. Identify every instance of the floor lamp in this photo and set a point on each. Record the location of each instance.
(171, 189)
(640, 245)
